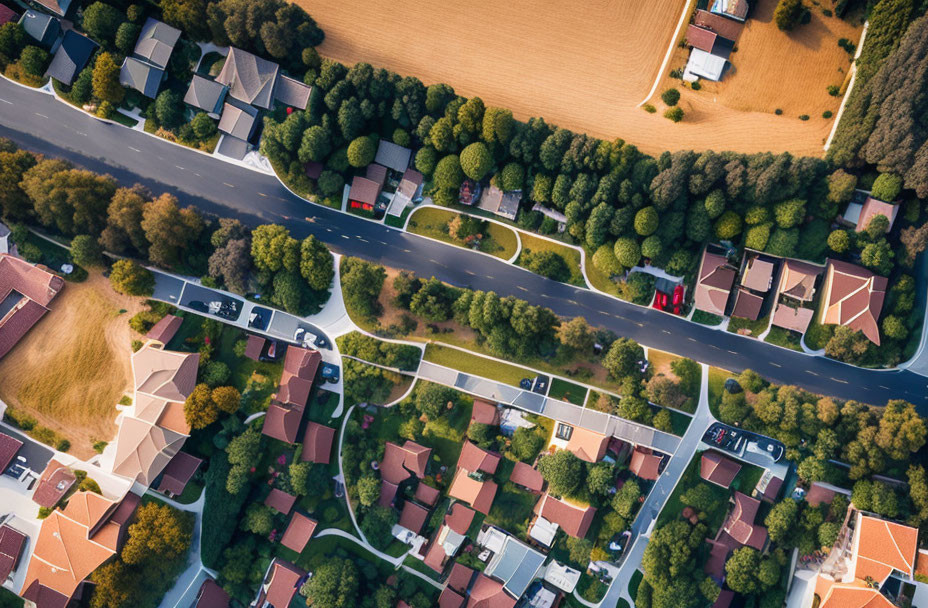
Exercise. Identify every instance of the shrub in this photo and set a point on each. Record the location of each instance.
(833, 90)
(129, 278)
(803, 117)
(827, 114)
(787, 14)
(650, 109)
(695, 85)
(476, 161)
(34, 60)
(778, 112)
(886, 187)
(670, 97)
(674, 114)
(361, 151)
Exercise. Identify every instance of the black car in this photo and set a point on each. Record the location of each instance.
(330, 373)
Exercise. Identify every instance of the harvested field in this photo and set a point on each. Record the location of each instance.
(586, 65)
(73, 366)
(786, 70)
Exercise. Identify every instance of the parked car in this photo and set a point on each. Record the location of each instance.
(330, 373)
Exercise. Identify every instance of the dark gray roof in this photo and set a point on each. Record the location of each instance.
(44, 28)
(238, 120)
(141, 76)
(292, 92)
(205, 94)
(249, 78)
(71, 57)
(393, 156)
(156, 42)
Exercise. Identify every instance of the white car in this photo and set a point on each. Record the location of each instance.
(304, 338)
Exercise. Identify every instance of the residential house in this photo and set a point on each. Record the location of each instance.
(141, 76)
(211, 595)
(71, 57)
(238, 120)
(444, 544)
(12, 542)
(292, 92)
(484, 413)
(41, 27)
(717, 469)
(733, 9)
(724, 28)
(299, 531)
(250, 78)
(363, 193)
(470, 484)
(757, 275)
(144, 70)
(488, 593)
(645, 464)
(853, 298)
(713, 285)
(527, 477)
(739, 528)
(26, 291)
(796, 287)
(408, 190)
(413, 516)
(748, 305)
(280, 501)
(426, 494)
(254, 347)
(392, 156)
(9, 447)
(452, 596)
(587, 445)
(56, 481)
(317, 443)
(154, 428)
(459, 517)
(58, 7)
(285, 414)
(769, 486)
(72, 543)
(513, 563)
(207, 95)
(574, 519)
(503, 204)
(281, 583)
(178, 473)
(165, 329)
(7, 15)
(399, 464)
(873, 207)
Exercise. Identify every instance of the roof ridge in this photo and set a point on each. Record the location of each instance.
(895, 544)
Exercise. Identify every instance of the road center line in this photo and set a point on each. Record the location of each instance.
(134, 149)
(839, 380)
(227, 184)
(179, 167)
(262, 194)
(42, 115)
(809, 371)
(6, 102)
(775, 364)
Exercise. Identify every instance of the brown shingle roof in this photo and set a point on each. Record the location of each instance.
(9, 447)
(413, 516)
(165, 329)
(38, 288)
(587, 445)
(254, 347)
(747, 305)
(399, 463)
(574, 520)
(249, 78)
(450, 598)
(474, 459)
(211, 595)
(317, 443)
(299, 531)
(282, 422)
(874, 207)
(740, 522)
(178, 473)
(700, 38)
(527, 477)
(283, 583)
(854, 298)
(296, 381)
(798, 279)
(292, 92)
(758, 275)
(427, 494)
(714, 284)
(645, 464)
(364, 190)
(484, 413)
(459, 577)
(715, 565)
(459, 518)
(387, 494)
(280, 501)
(11, 547)
(489, 593)
(479, 494)
(715, 468)
(796, 319)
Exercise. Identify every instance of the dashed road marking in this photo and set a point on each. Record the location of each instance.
(809, 371)
(690, 339)
(520, 287)
(345, 236)
(262, 194)
(363, 240)
(42, 115)
(228, 184)
(179, 167)
(134, 149)
(734, 352)
(884, 387)
(840, 380)
(6, 102)
(665, 331)
(473, 274)
(775, 364)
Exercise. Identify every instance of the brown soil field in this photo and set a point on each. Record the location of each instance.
(586, 64)
(73, 366)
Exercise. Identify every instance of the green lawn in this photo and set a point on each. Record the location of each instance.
(784, 337)
(661, 359)
(512, 509)
(322, 405)
(499, 241)
(8, 599)
(634, 583)
(567, 391)
(398, 222)
(126, 121)
(570, 254)
(191, 493)
(704, 318)
(754, 327)
(419, 566)
(475, 364)
(318, 550)
(679, 421)
(717, 378)
(445, 435)
(598, 279)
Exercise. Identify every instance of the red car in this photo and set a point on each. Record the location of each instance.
(678, 295)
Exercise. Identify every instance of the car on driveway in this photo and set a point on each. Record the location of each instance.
(307, 339)
(330, 373)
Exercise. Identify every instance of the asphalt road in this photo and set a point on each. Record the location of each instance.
(40, 123)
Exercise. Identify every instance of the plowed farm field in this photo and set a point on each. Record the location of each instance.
(582, 64)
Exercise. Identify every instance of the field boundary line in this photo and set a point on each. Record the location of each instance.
(670, 48)
(850, 87)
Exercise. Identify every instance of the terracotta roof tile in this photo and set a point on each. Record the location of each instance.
(11, 548)
(874, 207)
(717, 469)
(280, 501)
(884, 546)
(587, 445)
(795, 319)
(645, 464)
(459, 518)
(9, 447)
(797, 279)
(165, 329)
(747, 305)
(488, 593)
(700, 38)
(427, 494)
(212, 595)
(284, 582)
(740, 522)
(401, 462)
(725, 28)
(450, 599)
(485, 413)
(574, 520)
(317, 443)
(299, 531)
(178, 473)
(459, 577)
(254, 347)
(413, 516)
(854, 298)
(475, 459)
(479, 494)
(527, 477)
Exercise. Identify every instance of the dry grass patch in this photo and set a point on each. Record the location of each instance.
(72, 368)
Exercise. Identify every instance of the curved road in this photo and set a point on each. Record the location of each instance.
(40, 123)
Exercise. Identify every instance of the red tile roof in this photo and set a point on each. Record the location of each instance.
(795, 319)
(387, 493)
(450, 599)
(726, 28)
(282, 422)
(874, 207)
(714, 284)
(283, 584)
(485, 413)
(715, 468)
(854, 298)
(527, 477)
(211, 595)
(475, 459)
(427, 494)
(254, 347)
(740, 522)
(819, 493)
(9, 447)
(11, 548)
(299, 531)
(296, 381)
(364, 190)
(489, 593)
(435, 556)
(884, 546)
(700, 38)
(7, 14)
(645, 464)
(401, 462)
(56, 480)
(178, 473)
(280, 501)
(317, 443)
(459, 518)
(747, 305)
(459, 577)
(165, 329)
(413, 516)
(715, 565)
(38, 288)
(574, 520)
(479, 494)
(587, 445)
